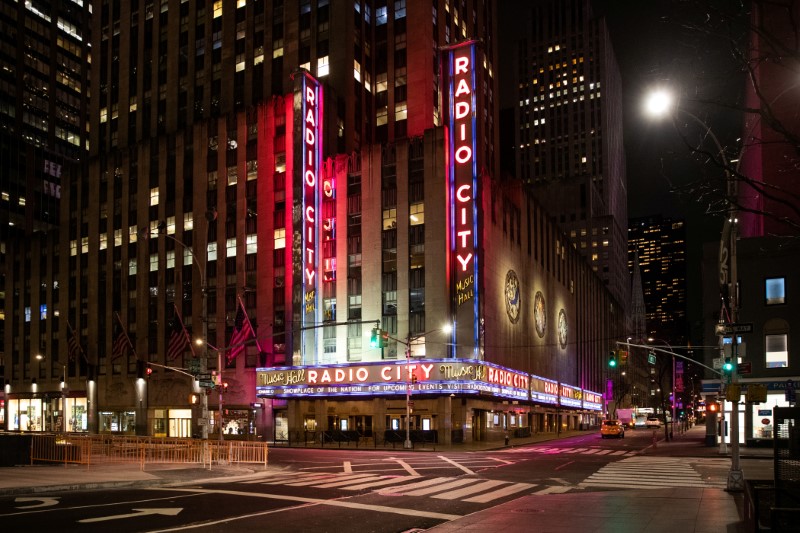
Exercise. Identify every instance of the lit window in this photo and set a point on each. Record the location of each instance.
(154, 196)
(280, 162)
(170, 258)
(132, 267)
(187, 256)
(251, 243)
(84, 245)
(218, 9)
(230, 247)
(280, 238)
(117, 237)
(356, 70)
(323, 68)
(103, 241)
(776, 291)
(211, 251)
(417, 214)
(401, 111)
(153, 262)
(240, 3)
(188, 221)
(382, 116)
(777, 354)
(103, 115)
(389, 218)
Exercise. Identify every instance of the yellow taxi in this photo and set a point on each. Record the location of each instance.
(612, 428)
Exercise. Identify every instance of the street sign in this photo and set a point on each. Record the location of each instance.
(745, 368)
(207, 384)
(730, 329)
(651, 358)
(203, 377)
(193, 366)
(717, 363)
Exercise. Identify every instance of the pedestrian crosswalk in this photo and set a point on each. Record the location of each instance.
(467, 489)
(568, 450)
(649, 473)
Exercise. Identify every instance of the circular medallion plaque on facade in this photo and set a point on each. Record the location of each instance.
(562, 328)
(512, 296)
(539, 313)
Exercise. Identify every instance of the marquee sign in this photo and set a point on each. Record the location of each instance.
(306, 207)
(424, 376)
(459, 63)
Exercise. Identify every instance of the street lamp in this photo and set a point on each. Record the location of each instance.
(40, 358)
(660, 103)
(211, 215)
(220, 385)
(674, 398)
(446, 329)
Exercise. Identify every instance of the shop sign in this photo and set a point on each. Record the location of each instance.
(570, 396)
(544, 390)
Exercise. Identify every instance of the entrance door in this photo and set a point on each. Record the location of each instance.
(281, 425)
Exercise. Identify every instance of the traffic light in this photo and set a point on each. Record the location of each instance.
(194, 398)
(383, 340)
(148, 371)
(413, 378)
(728, 365)
(612, 360)
(374, 341)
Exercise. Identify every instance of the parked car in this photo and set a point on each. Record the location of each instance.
(612, 428)
(653, 422)
(640, 422)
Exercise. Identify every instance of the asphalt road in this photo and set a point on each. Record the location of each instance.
(366, 490)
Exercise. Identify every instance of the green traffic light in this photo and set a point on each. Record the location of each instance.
(374, 341)
(728, 366)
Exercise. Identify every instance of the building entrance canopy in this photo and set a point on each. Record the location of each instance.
(423, 376)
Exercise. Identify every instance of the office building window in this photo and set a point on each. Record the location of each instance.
(776, 349)
(775, 291)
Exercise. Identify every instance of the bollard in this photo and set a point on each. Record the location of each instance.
(506, 439)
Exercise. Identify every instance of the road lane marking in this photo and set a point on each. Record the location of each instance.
(439, 488)
(562, 466)
(329, 479)
(349, 480)
(464, 468)
(480, 487)
(553, 489)
(407, 467)
(383, 482)
(44, 502)
(167, 511)
(348, 467)
(420, 484)
(505, 491)
(501, 460)
(330, 503)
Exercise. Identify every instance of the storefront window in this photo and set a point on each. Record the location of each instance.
(763, 415)
(160, 423)
(118, 422)
(25, 414)
(180, 423)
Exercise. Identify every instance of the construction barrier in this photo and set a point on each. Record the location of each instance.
(106, 449)
(61, 449)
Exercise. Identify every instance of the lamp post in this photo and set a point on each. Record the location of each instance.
(201, 268)
(407, 343)
(220, 385)
(674, 398)
(661, 103)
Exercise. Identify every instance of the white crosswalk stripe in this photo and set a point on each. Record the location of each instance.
(467, 489)
(553, 450)
(649, 473)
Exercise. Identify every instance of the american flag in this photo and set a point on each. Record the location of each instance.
(121, 344)
(73, 346)
(176, 343)
(242, 330)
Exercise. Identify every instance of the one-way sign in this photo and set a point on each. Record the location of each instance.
(730, 329)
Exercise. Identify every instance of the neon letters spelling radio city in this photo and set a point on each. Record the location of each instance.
(463, 154)
(312, 146)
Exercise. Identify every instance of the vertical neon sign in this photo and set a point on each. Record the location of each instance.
(463, 197)
(306, 209)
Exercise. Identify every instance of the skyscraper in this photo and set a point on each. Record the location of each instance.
(569, 132)
(660, 246)
(44, 82)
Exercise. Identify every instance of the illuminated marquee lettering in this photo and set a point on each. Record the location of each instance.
(310, 161)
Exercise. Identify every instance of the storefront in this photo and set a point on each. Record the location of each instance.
(461, 400)
(45, 412)
(119, 422)
(755, 419)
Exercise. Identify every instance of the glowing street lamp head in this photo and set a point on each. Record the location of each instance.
(659, 103)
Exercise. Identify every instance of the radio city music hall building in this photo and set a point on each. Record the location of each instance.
(429, 240)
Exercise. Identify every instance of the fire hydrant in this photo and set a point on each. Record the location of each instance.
(506, 439)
